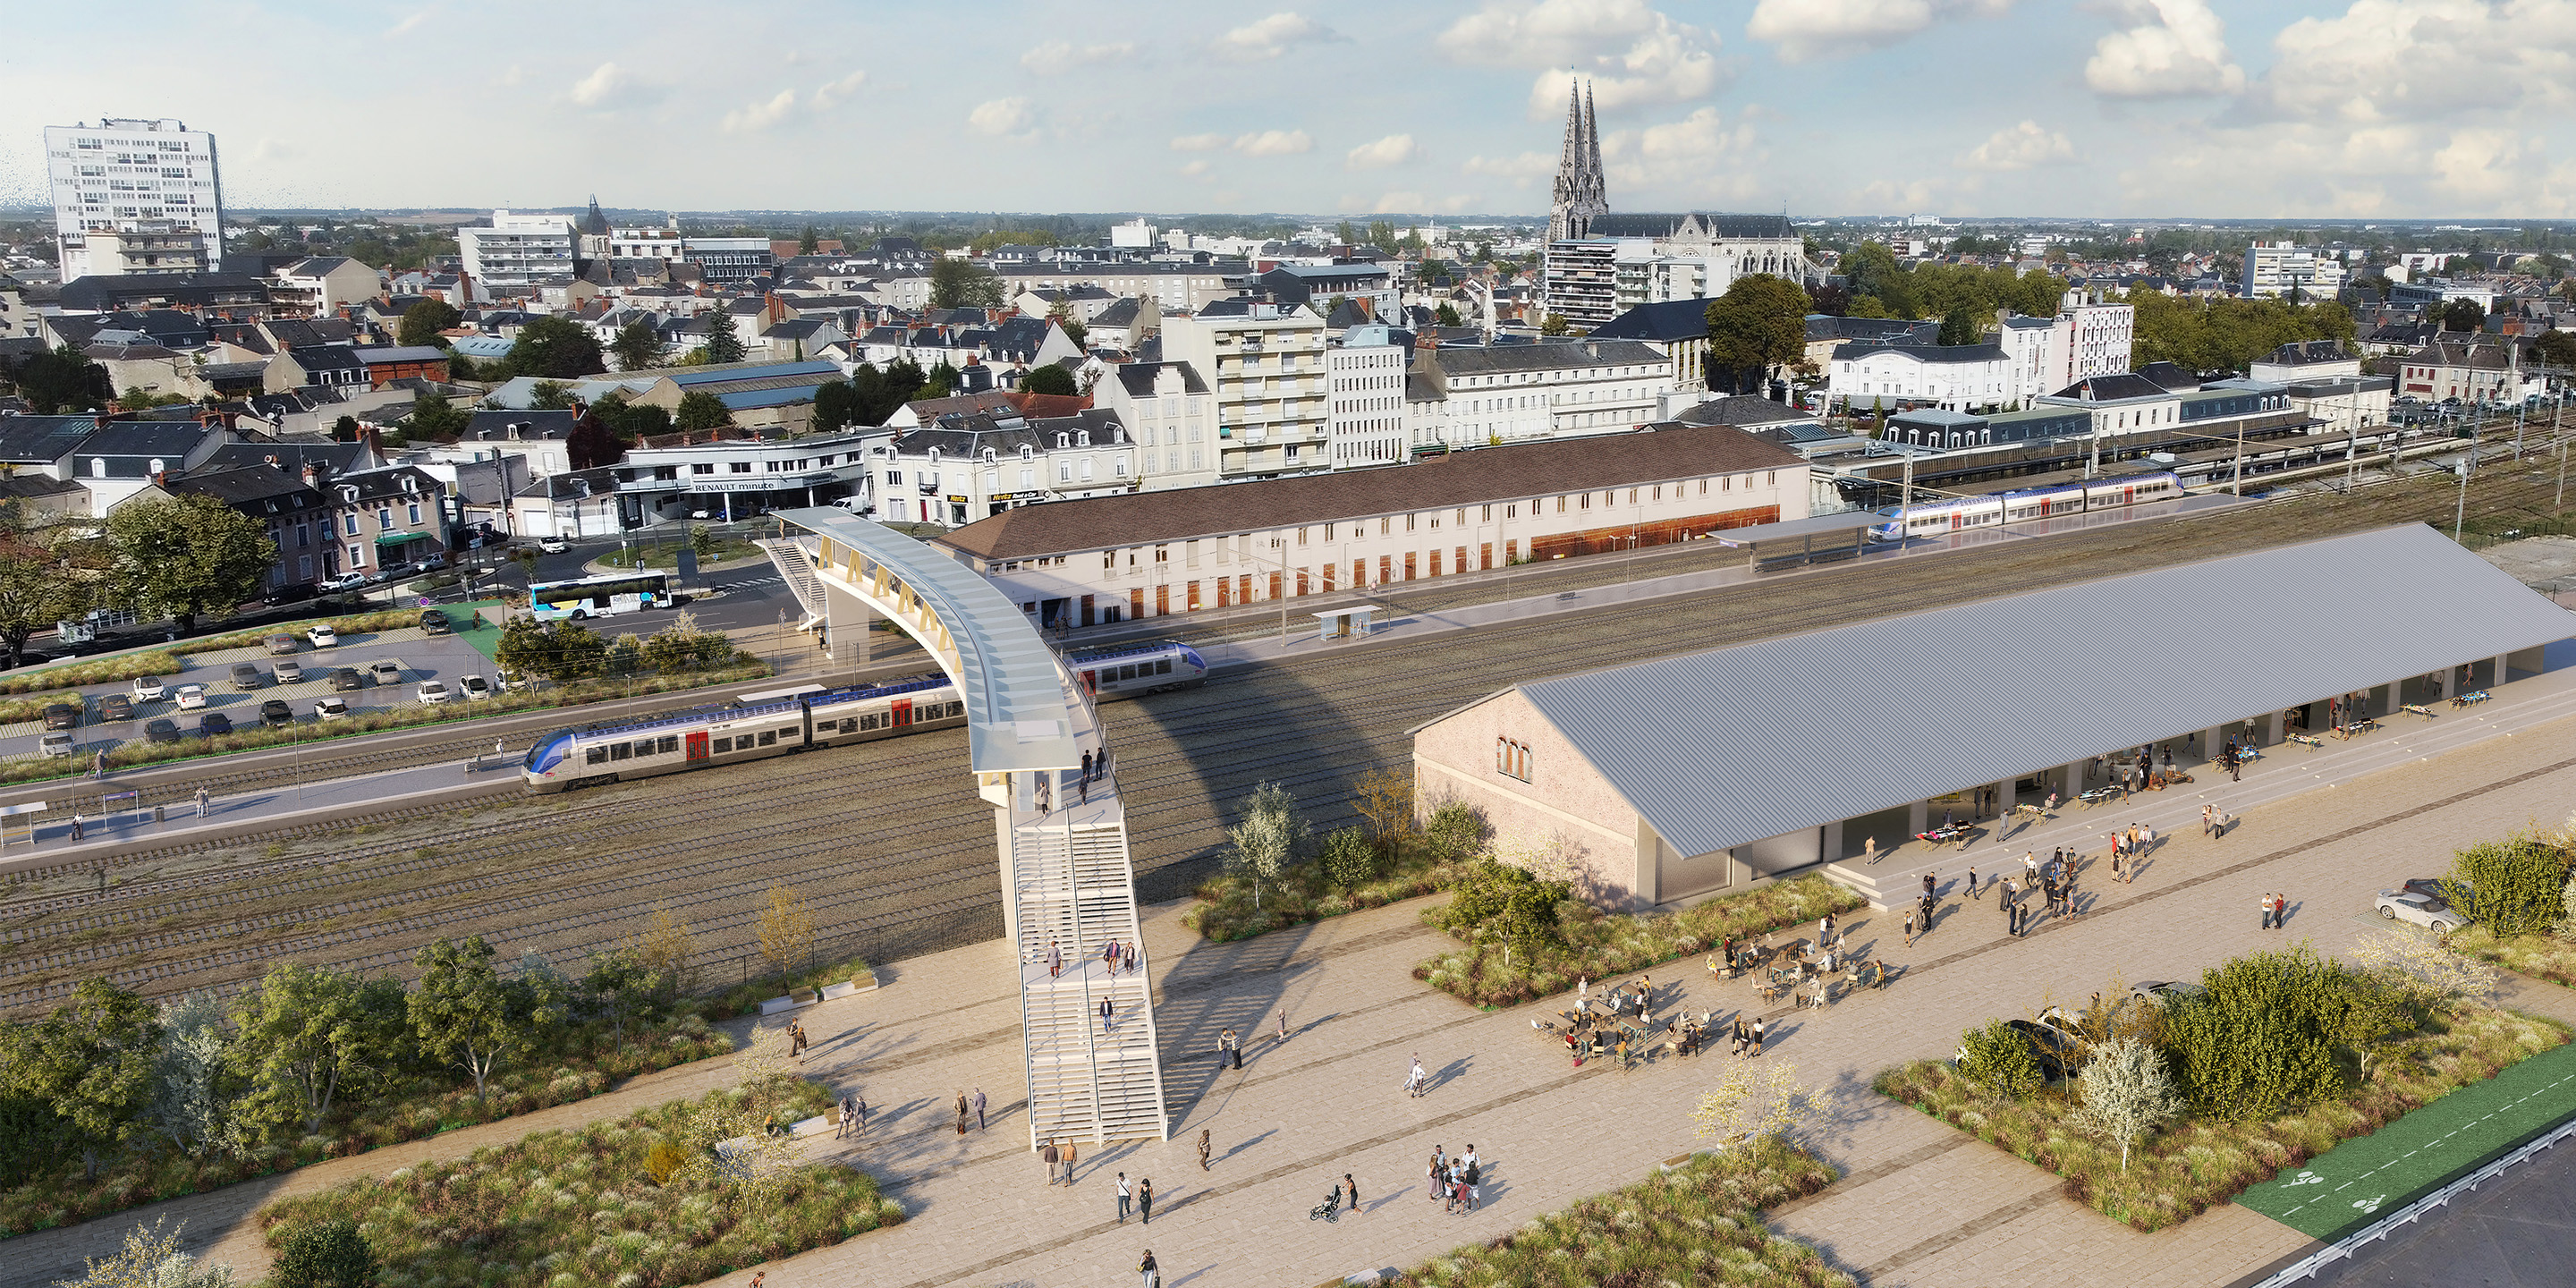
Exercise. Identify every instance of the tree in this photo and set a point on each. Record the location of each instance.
(1759, 323)
(463, 1013)
(36, 586)
(425, 321)
(2422, 970)
(1049, 379)
(192, 1102)
(308, 1034)
(1999, 1059)
(809, 242)
(588, 445)
(1384, 797)
(786, 931)
(1447, 315)
(700, 410)
(184, 555)
(1455, 832)
(1959, 326)
(630, 422)
(62, 380)
(559, 651)
(1554, 324)
(2126, 1095)
(836, 406)
(1744, 1109)
(2463, 315)
(2555, 348)
(554, 348)
(2258, 1036)
(723, 343)
(1270, 838)
(151, 1259)
(964, 284)
(92, 1060)
(663, 948)
(2512, 885)
(435, 417)
(617, 987)
(1347, 858)
(638, 345)
(328, 1253)
(550, 395)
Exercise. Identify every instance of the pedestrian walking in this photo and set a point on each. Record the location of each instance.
(1929, 887)
(961, 1113)
(2205, 812)
(76, 827)
(1153, 1274)
(849, 1117)
(1050, 1156)
(2280, 910)
(1283, 1026)
(2030, 862)
(1069, 1153)
(1107, 1014)
(1055, 958)
(1415, 1079)
(1230, 1047)
(1909, 927)
(201, 802)
(1972, 883)
(1757, 1036)
(979, 1109)
(1869, 849)
(863, 1113)
(1351, 1189)
(2146, 840)
(1145, 1199)
(2265, 903)
(797, 1041)
(1205, 1145)
(1126, 1198)
(1086, 764)
(2115, 865)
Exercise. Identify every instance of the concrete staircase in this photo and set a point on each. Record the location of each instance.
(1073, 886)
(796, 565)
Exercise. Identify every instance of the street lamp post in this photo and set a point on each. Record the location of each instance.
(2460, 514)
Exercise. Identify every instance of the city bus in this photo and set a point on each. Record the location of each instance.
(607, 596)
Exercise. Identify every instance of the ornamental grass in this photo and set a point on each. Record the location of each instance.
(2539, 956)
(1303, 894)
(1600, 945)
(1700, 1223)
(2201, 1161)
(576, 1209)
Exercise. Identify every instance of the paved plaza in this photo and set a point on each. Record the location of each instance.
(1920, 1204)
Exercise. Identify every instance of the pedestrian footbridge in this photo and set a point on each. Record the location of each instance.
(1068, 885)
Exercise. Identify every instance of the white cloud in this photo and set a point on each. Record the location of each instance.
(1195, 168)
(1394, 149)
(838, 92)
(1003, 117)
(1404, 203)
(2416, 60)
(1700, 155)
(2171, 49)
(1520, 169)
(1274, 36)
(606, 86)
(2020, 147)
(751, 117)
(1198, 143)
(408, 25)
(1273, 143)
(1058, 56)
(1810, 29)
(1629, 53)
(1886, 195)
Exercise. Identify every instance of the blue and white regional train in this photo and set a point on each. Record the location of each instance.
(778, 724)
(1967, 512)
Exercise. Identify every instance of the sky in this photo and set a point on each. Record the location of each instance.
(2357, 109)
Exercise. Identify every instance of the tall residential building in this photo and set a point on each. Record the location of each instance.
(134, 196)
(515, 250)
(1364, 397)
(2048, 354)
(1265, 364)
(2280, 268)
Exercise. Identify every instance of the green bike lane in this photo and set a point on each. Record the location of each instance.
(2349, 1186)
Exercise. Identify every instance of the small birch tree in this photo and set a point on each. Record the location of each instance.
(1269, 839)
(151, 1259)
(189, 1101)
(2126, 1094)
(2425, 971)
(1745, 1108)
(786, 930)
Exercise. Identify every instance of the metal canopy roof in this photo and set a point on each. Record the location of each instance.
(1017, 709)
(1727, 747)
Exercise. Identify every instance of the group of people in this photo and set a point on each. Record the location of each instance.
(963, 1104)
(1116, 957)
(2126, 849)
(2276, 910)
(1054, 1156)
(1459, 1181)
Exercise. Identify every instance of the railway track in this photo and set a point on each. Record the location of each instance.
(1183, 760)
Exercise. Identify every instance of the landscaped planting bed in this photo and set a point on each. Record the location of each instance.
(2200, 1161)
(105, 670)
(2539, 956)
(1700, 1223)
(593, 1206)
(1598, 945)
(1225, 911)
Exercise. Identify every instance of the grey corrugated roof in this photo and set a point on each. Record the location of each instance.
(1738, 744)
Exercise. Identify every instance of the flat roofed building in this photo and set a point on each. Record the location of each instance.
(1711, 772)
(147, 188)
(1082, 562)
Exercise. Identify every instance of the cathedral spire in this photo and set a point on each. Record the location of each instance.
(1581, 195)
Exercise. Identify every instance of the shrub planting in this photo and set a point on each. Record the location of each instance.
(1500, 965)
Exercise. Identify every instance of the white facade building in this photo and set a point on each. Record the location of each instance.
(2278, 268)
(1171, 414)
(2048, 354)
(1958, 377)
(151, 184)
(962, 468)
(1364, 399)
(1474, 397)
(1265, 365)
(514, 250)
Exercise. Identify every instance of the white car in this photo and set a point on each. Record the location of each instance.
(435, 691)
(55, 744)
(553, 545)
(331, 709)
(2422, 909)
(191, 696)
(322, 635)
(148, 688)
(476, 688)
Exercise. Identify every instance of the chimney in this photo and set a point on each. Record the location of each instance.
(375, 442)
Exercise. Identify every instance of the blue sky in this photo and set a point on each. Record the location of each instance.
(2356, 109)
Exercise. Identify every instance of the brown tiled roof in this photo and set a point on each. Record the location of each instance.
(1438, 482)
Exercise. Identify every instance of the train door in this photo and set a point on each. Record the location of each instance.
(903, 713)
(1957, 520)
(698, 746)
(1091, 683)
(2128, 496)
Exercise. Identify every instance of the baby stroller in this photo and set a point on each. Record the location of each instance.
(1330, 1210)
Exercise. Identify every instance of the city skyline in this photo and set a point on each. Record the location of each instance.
(2368, 109)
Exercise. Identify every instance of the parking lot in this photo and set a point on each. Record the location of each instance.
(416, 657)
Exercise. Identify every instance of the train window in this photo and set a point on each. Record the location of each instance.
(617, 751)
(1163, 666)
(594, 755)
(1127, 672)
(724, 745)
(667, 743)
(769, 737)
(643, 747)
(850, 726)
(872, 722)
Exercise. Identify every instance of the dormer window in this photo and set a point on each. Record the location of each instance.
(990, 456)
(1028, 453)
(1082, 438)
(934, 456)
(1061, 440)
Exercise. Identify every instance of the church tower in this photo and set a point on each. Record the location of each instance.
(1581, 193)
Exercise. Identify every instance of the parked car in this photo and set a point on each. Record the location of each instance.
(62, 715)
(385, 670)
(2430, 912)
(322, 635)
(475, 688)
(55, 744)
(433, 562)
(433, 622)
(280, 645)
(2164, 990)
(191, 696)
(2053, 1047)
(245, 675)
(147, 688)
(352, 581)
(214, 724)
(347, 678)
(333, 708)
(160, 731)
(434, 691)
(115, 706)
(557, 545)
(276, 714)
(289, 671)
(295, 594)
